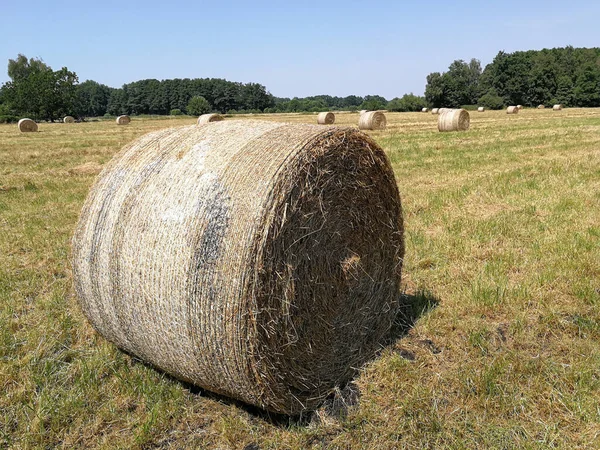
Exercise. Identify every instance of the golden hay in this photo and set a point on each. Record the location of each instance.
(512, 110)
(123, 120)
(207, 118)
(27, 126)
(454, 120)
(255, 259)
(326, 118)
(372, 120)
(69, 119)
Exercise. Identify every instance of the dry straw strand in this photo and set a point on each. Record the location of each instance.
(557, 107)
(512, 110)
(454, 120)
(123, 120)
(27, 126)
(207, 118)
(326, 118)
(266, 279)
(372, 120)
(69, 119)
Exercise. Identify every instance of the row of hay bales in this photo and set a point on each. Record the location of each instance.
(27, 125)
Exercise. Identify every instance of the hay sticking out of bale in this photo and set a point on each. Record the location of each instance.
(123, 120)
(512, 110)
(372, 120)
(454, 120)
(207, 118)
(27, 126)
(69, 119)
(557, 108)
(326, 118)
(435, 111)
(541, 107)
(258, 260)
(481, 109)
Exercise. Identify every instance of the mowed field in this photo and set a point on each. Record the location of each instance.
(501, 350)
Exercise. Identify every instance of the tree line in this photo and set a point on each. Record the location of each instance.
(569, 76)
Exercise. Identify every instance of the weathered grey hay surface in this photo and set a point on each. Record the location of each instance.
(69, 119)
(27, 126)
(207, 118)
(258, 260)
(454, 120)
(123, 120)
(481, 109)
(326, 118)
(512, 110)
(435, 111)
(557, 107)
(372, 120)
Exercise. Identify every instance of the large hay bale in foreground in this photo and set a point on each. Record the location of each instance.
(326, 118)
(512, 110)
(362, 111)
(207, 118)
(481, 109)
(557, 107)
(258, 260)
(435, 111)
(123, 120)
(27, 126)
(69, 119)
(454, 120)
(372, 120)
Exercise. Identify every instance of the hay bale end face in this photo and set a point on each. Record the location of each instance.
(435, 111)
(123, 120)
(454, 120)
(207, 118)
(512, 110)
(372, 120)
(557, 108)
(481, 109)
(69, 119)
(326, 118)
(257, 260)
(27, 126)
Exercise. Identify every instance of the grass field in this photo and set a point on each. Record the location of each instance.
(503, 256)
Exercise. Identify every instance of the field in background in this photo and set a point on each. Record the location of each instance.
(503, 249)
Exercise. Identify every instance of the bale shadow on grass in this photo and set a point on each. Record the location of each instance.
(343, 398)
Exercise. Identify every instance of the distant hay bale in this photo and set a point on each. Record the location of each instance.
(258, 260)
(123, 120)
(520, 107)
(69, 119)
(512, 110)
(541, 107)
(27, 126)
(443, 110)
(481, 109)
(454, 120)
(207, 118)
(557, 107)
(372, 120)
(424, 110)
(326, 118)
(435, 111)
(362, 111)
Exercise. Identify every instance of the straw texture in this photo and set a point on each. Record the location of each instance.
(512, 110)
(372, 120)
(69, 119)
(207, 118)
(557, 107)
(454, 120)
(258, 260)
(326, 118)
(123, 120)
(27, 126)
(481, 109)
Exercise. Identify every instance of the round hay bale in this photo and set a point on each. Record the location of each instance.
(27, 126)
(258, 260)
(512, 110)
(123, 120)
(362, 111)
(425, 110)
(69, 119)
(435, 111)
(207, 118)
(520, 107)
(326, 118)
(372, 120)
(541, 107)
(481, 109)
(454, 120)
(557, 108)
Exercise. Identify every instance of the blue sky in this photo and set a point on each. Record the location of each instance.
(304, 48)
